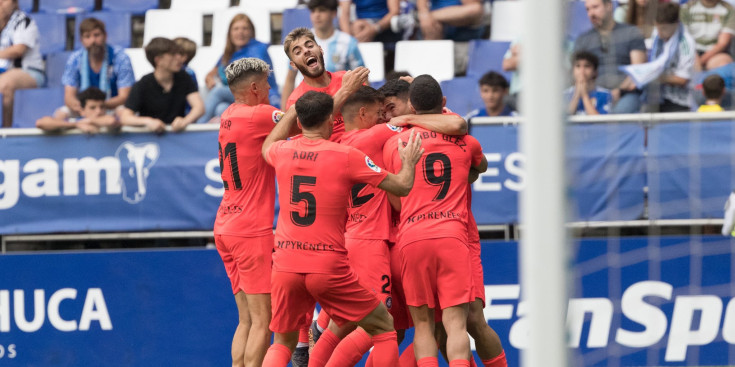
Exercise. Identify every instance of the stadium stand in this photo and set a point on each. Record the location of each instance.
(137, 7)
(174, 23)
(53, 28)
(463, 94)
(140, 64)
(26, 5)
(221, 21)
(295, 18)
(280, 63)
(66, 6)
(117, 25)
(26, 106)
(507, 20)
(205, 6)
(203, 62)
(55, 64)
(272, 6)
(484, 56)
(578, 22)
(426, 57)
(372, 55)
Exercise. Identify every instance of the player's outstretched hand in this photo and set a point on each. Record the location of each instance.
(354, 79)
(412, 151)
(400, 121)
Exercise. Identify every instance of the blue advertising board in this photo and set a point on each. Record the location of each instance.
(638, 301)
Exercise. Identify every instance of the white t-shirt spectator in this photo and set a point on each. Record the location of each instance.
(22, 29)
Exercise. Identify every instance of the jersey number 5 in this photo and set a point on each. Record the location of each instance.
(231, 153)
(430, 173)
(310, 200)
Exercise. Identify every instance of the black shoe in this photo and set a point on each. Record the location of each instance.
(300, 357)
(314, 335)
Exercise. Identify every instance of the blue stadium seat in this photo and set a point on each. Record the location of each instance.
(26, 5)
(55, 64)
(117, 24)
(463, 94)
(485, 56)
(27, 105)
(295, 18)
(65, 6)
(578, 22)
(53, 28)
(137, 7)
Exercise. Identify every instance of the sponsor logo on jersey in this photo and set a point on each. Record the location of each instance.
(371, 164)
(277, 115)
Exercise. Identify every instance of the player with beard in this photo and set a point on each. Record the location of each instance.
(307, 56)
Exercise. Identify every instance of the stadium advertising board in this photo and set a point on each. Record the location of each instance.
(637, 302)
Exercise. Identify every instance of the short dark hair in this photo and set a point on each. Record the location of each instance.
(328, 4)
(159, 46)
(494, 79)
(91, 94)
(667, 13)
(313, 108)
(395, 88)
(364, 96)
(713, 87)
(395, 74)
(187, 48)
(426, 94)
(586, 56)
(90, 24)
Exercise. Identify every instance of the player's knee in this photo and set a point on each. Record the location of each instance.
(378, 321)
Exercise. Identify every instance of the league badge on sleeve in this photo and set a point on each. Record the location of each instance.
(397, 129)
(277, 116)
(371, 164)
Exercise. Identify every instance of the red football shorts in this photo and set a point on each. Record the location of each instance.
(246, 260)
(370, 260)
(398, 309)
(436, 269)
(478, 281)
(340, 295)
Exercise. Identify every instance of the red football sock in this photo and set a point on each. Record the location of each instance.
(351, 349)
(385, 349)
(322, 320)
(408, 358)
(278, 355)
(304, 334)
(459, 363)
(428, 362)
(498, 361)
(323, 349)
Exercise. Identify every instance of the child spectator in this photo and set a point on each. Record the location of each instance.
(585, 98)
(93, 114)
(493, 90)
(713, 88)
(187, 50)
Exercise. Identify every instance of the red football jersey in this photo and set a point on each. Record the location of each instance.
(472, 231)
(250, 188)
(369, 213)
(437, 205)
(334, 84)
(314, 180)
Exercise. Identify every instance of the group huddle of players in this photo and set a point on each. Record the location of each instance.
(374, 224)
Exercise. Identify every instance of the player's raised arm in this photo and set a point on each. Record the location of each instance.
(449, 124)
(351, 82)
(402, 183)
(281, 131)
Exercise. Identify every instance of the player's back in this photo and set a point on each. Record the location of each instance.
(369, 211)
(314, 178)
(248, 202)
(436, 207)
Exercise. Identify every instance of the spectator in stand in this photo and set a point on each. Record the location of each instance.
(340, 49)
(92, 117)
(615, 45)
(712, 24)
(187, 51)
(373, 20)
(159, 98)
(640, 13)
(241, 43)
(21, 64)
(671, 63)
(493, 90)
(458, 20)
(585, 98)
(722, 65)
(512, 63)
(95, 64)
(714, 88)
